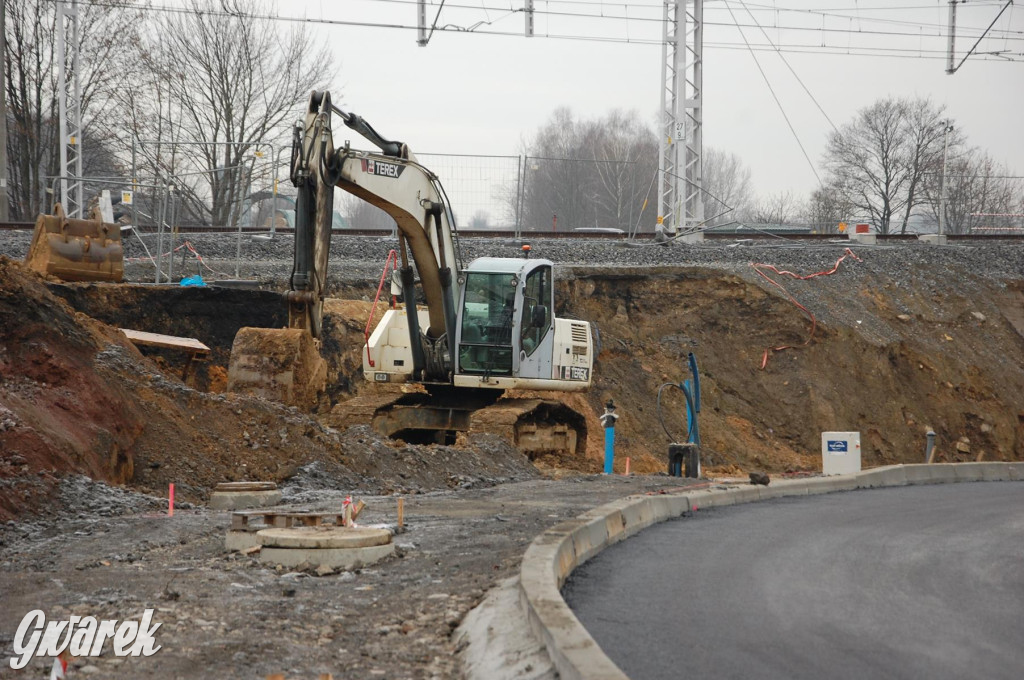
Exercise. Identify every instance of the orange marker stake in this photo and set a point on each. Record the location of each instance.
(170, 500)
(627, 466)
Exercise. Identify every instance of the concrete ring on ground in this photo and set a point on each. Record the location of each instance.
(335, 547)
(239, 500)
(323, 537)
(557, 552)
(245, 486)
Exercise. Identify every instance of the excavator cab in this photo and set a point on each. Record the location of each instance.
(507, 335)
(76, 250)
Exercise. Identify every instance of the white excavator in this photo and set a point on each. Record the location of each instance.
(482, 329)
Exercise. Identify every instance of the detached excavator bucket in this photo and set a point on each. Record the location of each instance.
(76, 250)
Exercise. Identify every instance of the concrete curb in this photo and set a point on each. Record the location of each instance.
(558, 551)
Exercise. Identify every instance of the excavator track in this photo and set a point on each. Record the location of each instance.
(537, 427)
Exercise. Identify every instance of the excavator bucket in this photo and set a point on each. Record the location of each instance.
(76, 250)
(282, 365)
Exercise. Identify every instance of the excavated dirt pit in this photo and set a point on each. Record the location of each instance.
(899, 348)
(889, 358)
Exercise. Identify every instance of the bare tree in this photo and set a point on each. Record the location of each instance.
(555, 176)
(230, 79)
(479, 220)
(363, 215)
(827, 207)
(777, 208)
(728, 190)
(592, 173)
(881, 157)
(108, 36)
(979, 193)
(924, 130)
(625, 152)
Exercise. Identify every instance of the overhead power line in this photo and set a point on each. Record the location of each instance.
(779, 104)
(791, 70)
(798, 48)
(940, 29)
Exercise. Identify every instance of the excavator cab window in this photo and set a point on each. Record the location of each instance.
(486, 345)
(536, 313)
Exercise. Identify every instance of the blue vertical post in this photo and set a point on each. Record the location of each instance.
(608, 419)
(609, 449)
(689, 413)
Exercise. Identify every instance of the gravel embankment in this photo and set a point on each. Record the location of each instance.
(359, 258)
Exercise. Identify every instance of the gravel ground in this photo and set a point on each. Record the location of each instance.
(360, 258)
(225, 615)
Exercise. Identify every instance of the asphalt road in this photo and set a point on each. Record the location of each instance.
(915, 582)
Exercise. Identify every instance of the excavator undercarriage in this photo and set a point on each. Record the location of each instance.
(535, 426)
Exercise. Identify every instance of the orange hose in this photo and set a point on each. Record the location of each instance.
(759, 266)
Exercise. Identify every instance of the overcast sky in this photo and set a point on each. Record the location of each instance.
(470, 92)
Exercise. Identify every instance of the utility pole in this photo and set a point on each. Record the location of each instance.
(680, 173)
(421, 23)
(4, 215)
(951, 56)
(69, 93)
(942, 191)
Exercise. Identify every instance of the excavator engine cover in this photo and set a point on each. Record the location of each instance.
(76, 250)
(282, 365)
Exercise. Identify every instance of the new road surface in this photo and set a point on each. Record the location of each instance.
(914, 582)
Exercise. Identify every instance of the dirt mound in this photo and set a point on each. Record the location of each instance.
(60, 414)
(77, 398)
(387, 466)
(891, 357)
(901, 346)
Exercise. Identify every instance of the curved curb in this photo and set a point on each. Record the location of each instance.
(553, 555)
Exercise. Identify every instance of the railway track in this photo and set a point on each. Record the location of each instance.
(539, 235)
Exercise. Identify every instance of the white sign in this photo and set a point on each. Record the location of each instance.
(840, 453)
(82, 636)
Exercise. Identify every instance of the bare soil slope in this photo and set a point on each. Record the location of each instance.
(77, 397)
(889, 359)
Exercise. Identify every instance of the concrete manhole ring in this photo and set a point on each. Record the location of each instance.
(246, 486)
(323, 537)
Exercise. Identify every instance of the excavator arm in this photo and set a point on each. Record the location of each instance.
(395, 182)
(485, 331)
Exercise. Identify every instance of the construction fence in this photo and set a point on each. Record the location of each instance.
(518, 193)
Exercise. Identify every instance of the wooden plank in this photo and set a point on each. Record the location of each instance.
(167, 341)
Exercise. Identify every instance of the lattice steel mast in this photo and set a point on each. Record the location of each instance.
(69, 95)
(680, 175)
